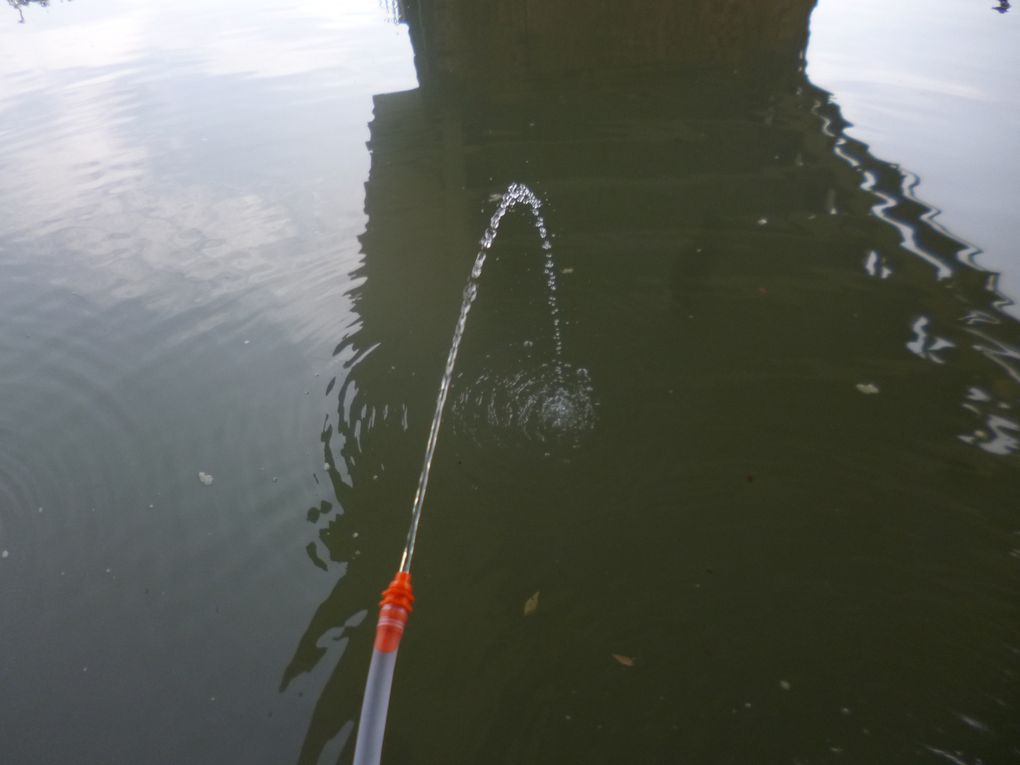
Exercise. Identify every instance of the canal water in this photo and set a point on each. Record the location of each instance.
(746, 491)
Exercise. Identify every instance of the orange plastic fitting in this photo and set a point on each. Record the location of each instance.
(394, 608)
(399, 592)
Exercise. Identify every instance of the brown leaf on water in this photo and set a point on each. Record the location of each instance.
(531, 605)
(627, 661)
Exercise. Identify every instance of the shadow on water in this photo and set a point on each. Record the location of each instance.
(736, 275)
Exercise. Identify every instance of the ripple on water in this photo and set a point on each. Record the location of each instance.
(551, 405)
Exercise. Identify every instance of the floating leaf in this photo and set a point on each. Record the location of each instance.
(531, 605)
(867, 389)
(626, 661)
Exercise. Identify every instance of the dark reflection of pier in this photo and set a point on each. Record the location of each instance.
(679, 143)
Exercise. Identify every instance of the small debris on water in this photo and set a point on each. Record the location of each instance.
(625, 661)
(784, 684)
(5, 554)
(275, 479)
(325, 466)
(152, 507)
(567, 270)
(762, 221)
(40, 509)
(868, 389)
(355, 535)
(206, 479)
(531, 605)
(845, 710)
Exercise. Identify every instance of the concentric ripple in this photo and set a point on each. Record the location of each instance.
(552, 405)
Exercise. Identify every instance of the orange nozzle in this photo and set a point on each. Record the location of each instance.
(394, 609)
(399, 592)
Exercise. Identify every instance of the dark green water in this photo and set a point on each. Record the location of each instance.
(233, 239)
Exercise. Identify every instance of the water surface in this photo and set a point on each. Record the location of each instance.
(233, 241)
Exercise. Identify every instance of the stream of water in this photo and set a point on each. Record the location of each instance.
(549, 401)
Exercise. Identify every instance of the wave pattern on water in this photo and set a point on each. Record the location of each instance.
(980, 328)
(548, 405)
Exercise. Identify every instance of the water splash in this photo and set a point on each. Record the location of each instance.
(516, 194)
(551, 405)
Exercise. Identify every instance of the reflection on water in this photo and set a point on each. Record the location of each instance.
(18, 5)
(196, 279)
(735, 268)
